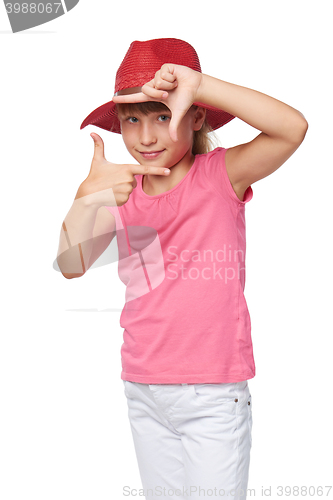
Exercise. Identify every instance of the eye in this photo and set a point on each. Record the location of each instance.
(164, 118)
(132, 119)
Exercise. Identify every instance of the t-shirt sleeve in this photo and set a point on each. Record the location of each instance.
(218, 176)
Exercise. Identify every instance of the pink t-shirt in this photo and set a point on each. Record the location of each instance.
(182, 259)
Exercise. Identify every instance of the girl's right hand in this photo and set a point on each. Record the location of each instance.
(109, 184)
(174, 85)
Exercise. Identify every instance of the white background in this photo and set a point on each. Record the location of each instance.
(64, 430)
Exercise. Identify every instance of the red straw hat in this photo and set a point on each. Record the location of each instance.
(139, 66)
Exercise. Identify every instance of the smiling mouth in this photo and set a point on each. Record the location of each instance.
(151, 154)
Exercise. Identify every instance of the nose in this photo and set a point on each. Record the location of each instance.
(147, 134)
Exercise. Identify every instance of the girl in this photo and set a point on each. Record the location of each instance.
(187, 352)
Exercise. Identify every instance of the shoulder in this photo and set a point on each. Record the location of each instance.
(212, 157)
(239, 187)
(219, 169)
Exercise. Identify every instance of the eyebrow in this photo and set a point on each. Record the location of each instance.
(139, 113)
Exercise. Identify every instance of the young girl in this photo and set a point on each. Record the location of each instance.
(187, 352)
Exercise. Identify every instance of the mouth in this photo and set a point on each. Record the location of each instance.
(151, 154)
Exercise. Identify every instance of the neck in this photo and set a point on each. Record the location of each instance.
(157, 184)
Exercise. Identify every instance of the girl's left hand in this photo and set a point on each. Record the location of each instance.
(175, 86)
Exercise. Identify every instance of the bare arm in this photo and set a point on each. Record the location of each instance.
(85, 234)
(89, 227)
(282, 127)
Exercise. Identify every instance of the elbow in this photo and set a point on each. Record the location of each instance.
(305, 127)
(65, 267)
(70, 276)
(67, 276)
(300, 131)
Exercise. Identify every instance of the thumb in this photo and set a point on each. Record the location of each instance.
(176, 118)
(99, 147)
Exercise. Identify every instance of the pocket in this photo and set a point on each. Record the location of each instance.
(215, 394)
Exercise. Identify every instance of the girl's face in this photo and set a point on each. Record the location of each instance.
(147, 139)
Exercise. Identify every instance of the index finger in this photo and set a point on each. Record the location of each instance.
(148, 170)
(150, 94)
(138, 97)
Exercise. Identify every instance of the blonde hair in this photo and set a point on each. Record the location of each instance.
(204, 140)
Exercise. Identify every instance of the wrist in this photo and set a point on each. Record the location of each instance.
(86, 197)
(93, 196)
(200, 95)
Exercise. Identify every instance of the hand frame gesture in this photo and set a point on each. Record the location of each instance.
(175, 86)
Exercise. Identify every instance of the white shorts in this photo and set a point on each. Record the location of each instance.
(191, 440)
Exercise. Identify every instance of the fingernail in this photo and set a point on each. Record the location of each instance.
(166, 171)
(164, 95)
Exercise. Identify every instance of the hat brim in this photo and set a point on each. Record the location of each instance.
(105, 117)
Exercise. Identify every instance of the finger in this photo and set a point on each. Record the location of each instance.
(144, 170)
(99, 147)
(166, 74)
(138, 97)
(150, 90)
(176, 118)
(149, 95)
(161, 84)
(163, 80)
(168, 68)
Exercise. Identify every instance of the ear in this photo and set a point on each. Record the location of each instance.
(199, 118)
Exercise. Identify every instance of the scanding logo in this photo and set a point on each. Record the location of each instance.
(24, 15)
